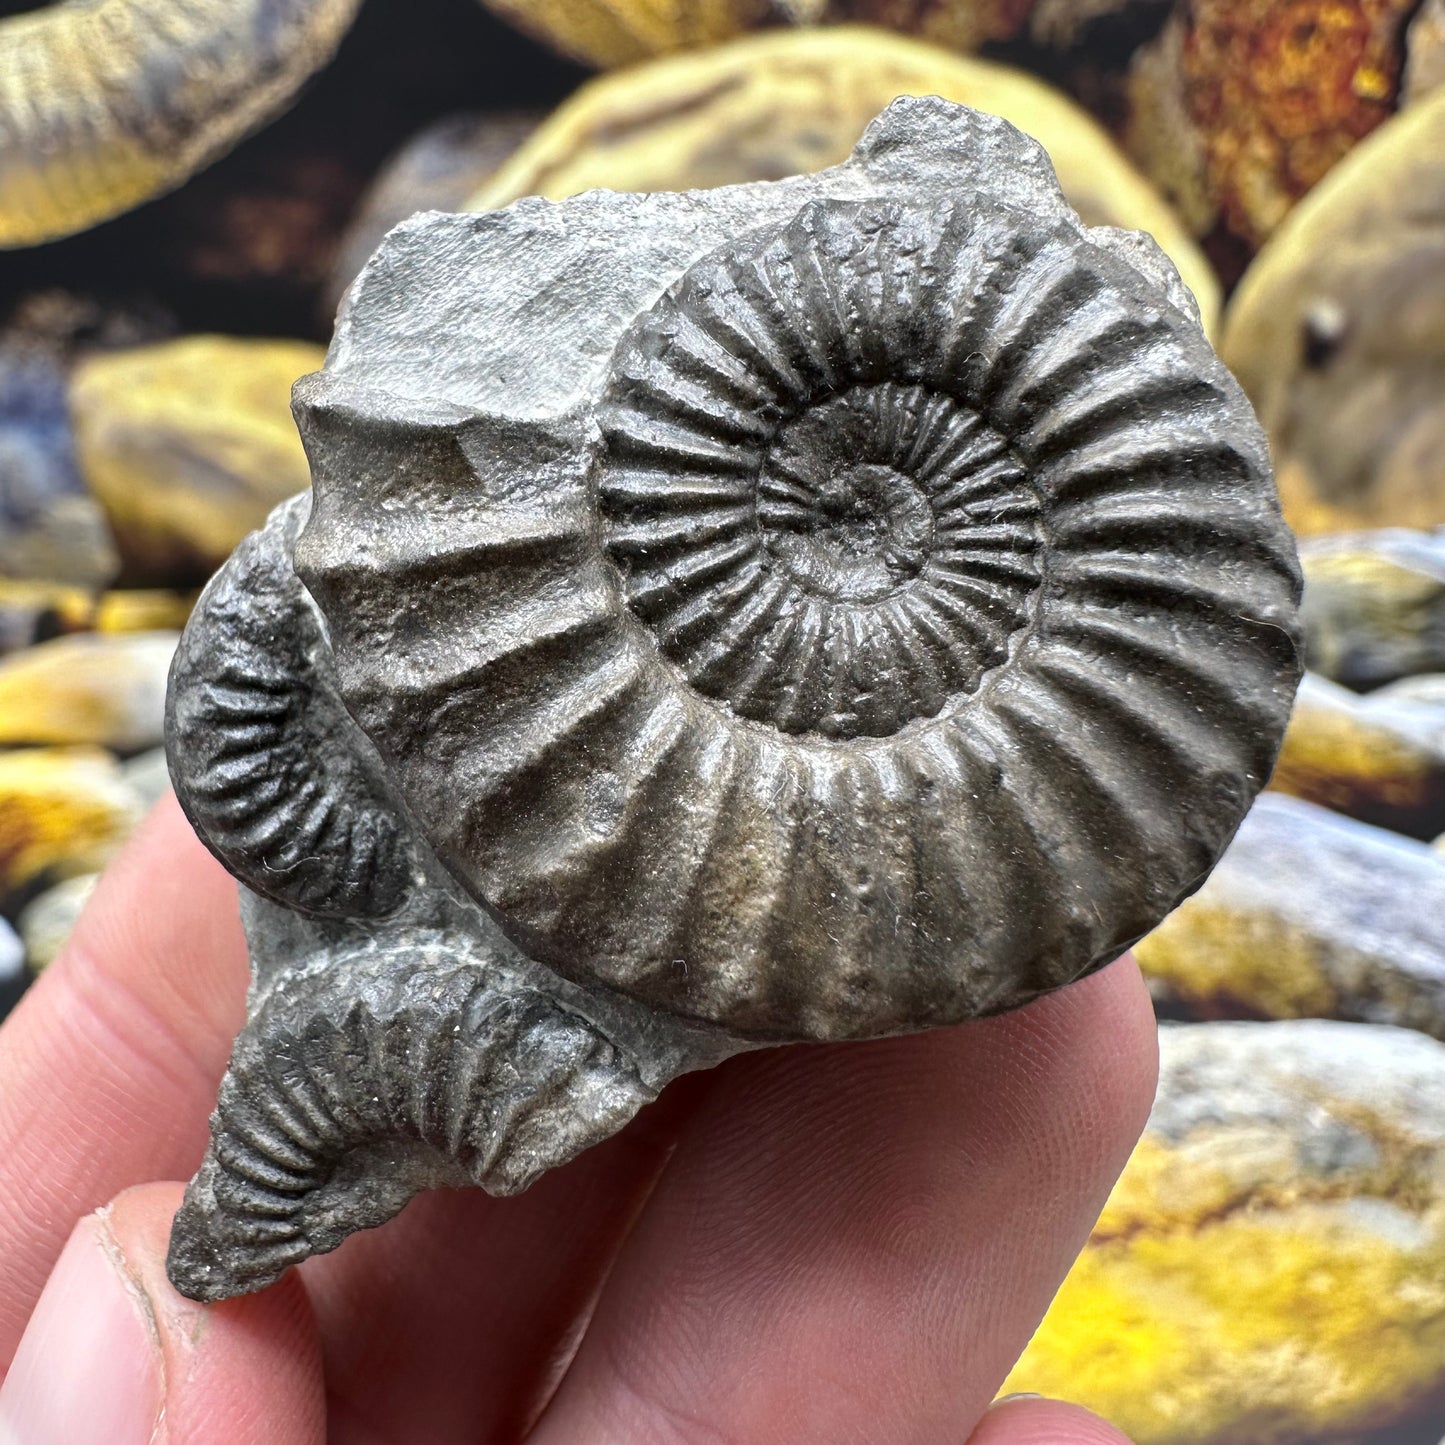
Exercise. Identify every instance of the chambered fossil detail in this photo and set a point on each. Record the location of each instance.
(811, 610)
(297, 821)
(106, 103)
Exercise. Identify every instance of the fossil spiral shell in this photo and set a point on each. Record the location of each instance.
(376, 1061)
(106, 103)
(915, 636)
(265, 762)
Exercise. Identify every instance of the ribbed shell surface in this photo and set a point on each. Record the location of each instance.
(917, 638)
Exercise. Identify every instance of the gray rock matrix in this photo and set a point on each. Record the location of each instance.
(811, 610)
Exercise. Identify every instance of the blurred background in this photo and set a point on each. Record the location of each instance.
(187, 190)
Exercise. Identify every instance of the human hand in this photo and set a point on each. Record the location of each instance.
(812, 1245)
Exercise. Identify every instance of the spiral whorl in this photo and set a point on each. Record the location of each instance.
(410, 1066)
(896, 625)
(268, 767)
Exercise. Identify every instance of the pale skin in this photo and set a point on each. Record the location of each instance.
(806, 1246)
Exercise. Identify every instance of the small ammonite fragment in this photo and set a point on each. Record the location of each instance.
(810, 610)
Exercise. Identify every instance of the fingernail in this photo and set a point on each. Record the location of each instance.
(1018, 1395)
(88, 1370)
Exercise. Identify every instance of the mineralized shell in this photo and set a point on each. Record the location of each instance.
(806, 610)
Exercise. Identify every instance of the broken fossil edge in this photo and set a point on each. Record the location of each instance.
(438, 896)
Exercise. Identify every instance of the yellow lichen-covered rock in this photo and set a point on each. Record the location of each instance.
(89, 688)
(105, 103)
(31, 612)
(1337, 332)
(1378, 758)
(1238, 107)
(143, 609)
(1374, 605)
(188, 445)
(1270, 1269)
(617, 32)
(63, 811)
(1308, 914)
(787, 102)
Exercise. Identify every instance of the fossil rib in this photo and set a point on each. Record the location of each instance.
(264, 759)
(816, 609)
(378, 1073)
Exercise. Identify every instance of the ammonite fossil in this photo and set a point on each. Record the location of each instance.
(809, 610)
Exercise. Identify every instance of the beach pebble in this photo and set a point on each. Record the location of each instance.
(108, 690)
(1308, 914)
(1379, 758)
(1270, 1269)
(188, 445)
(46, 921)
(63, 811)
(1374, 605)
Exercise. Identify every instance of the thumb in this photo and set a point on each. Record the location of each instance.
(1032, 1420)
(113, 1355)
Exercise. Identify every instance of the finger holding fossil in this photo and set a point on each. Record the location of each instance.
(811, 610)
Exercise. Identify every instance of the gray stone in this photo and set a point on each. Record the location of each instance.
(47, 921)
(1374, 605)
(1309, 913)
(50, 527)
(810, 610)
(149, 775)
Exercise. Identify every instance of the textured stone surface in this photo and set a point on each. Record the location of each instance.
(1374, 605)
(106, 690)
(1337, 332)
(1379, 758)
(775, 611)
(1309, 913)
(436, 170)
(187, 445)
(787, 102)
(1270, 1269)
(63, 811)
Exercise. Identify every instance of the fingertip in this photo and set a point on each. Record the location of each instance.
(112, 1355)
(942, 1183)
(109, 1066)
(1033, 1420)
(163, 904)
(1099, 1041)
(246, 1371)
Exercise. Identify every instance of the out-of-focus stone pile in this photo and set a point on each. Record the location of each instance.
(129, 468)
(1271, 1268)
